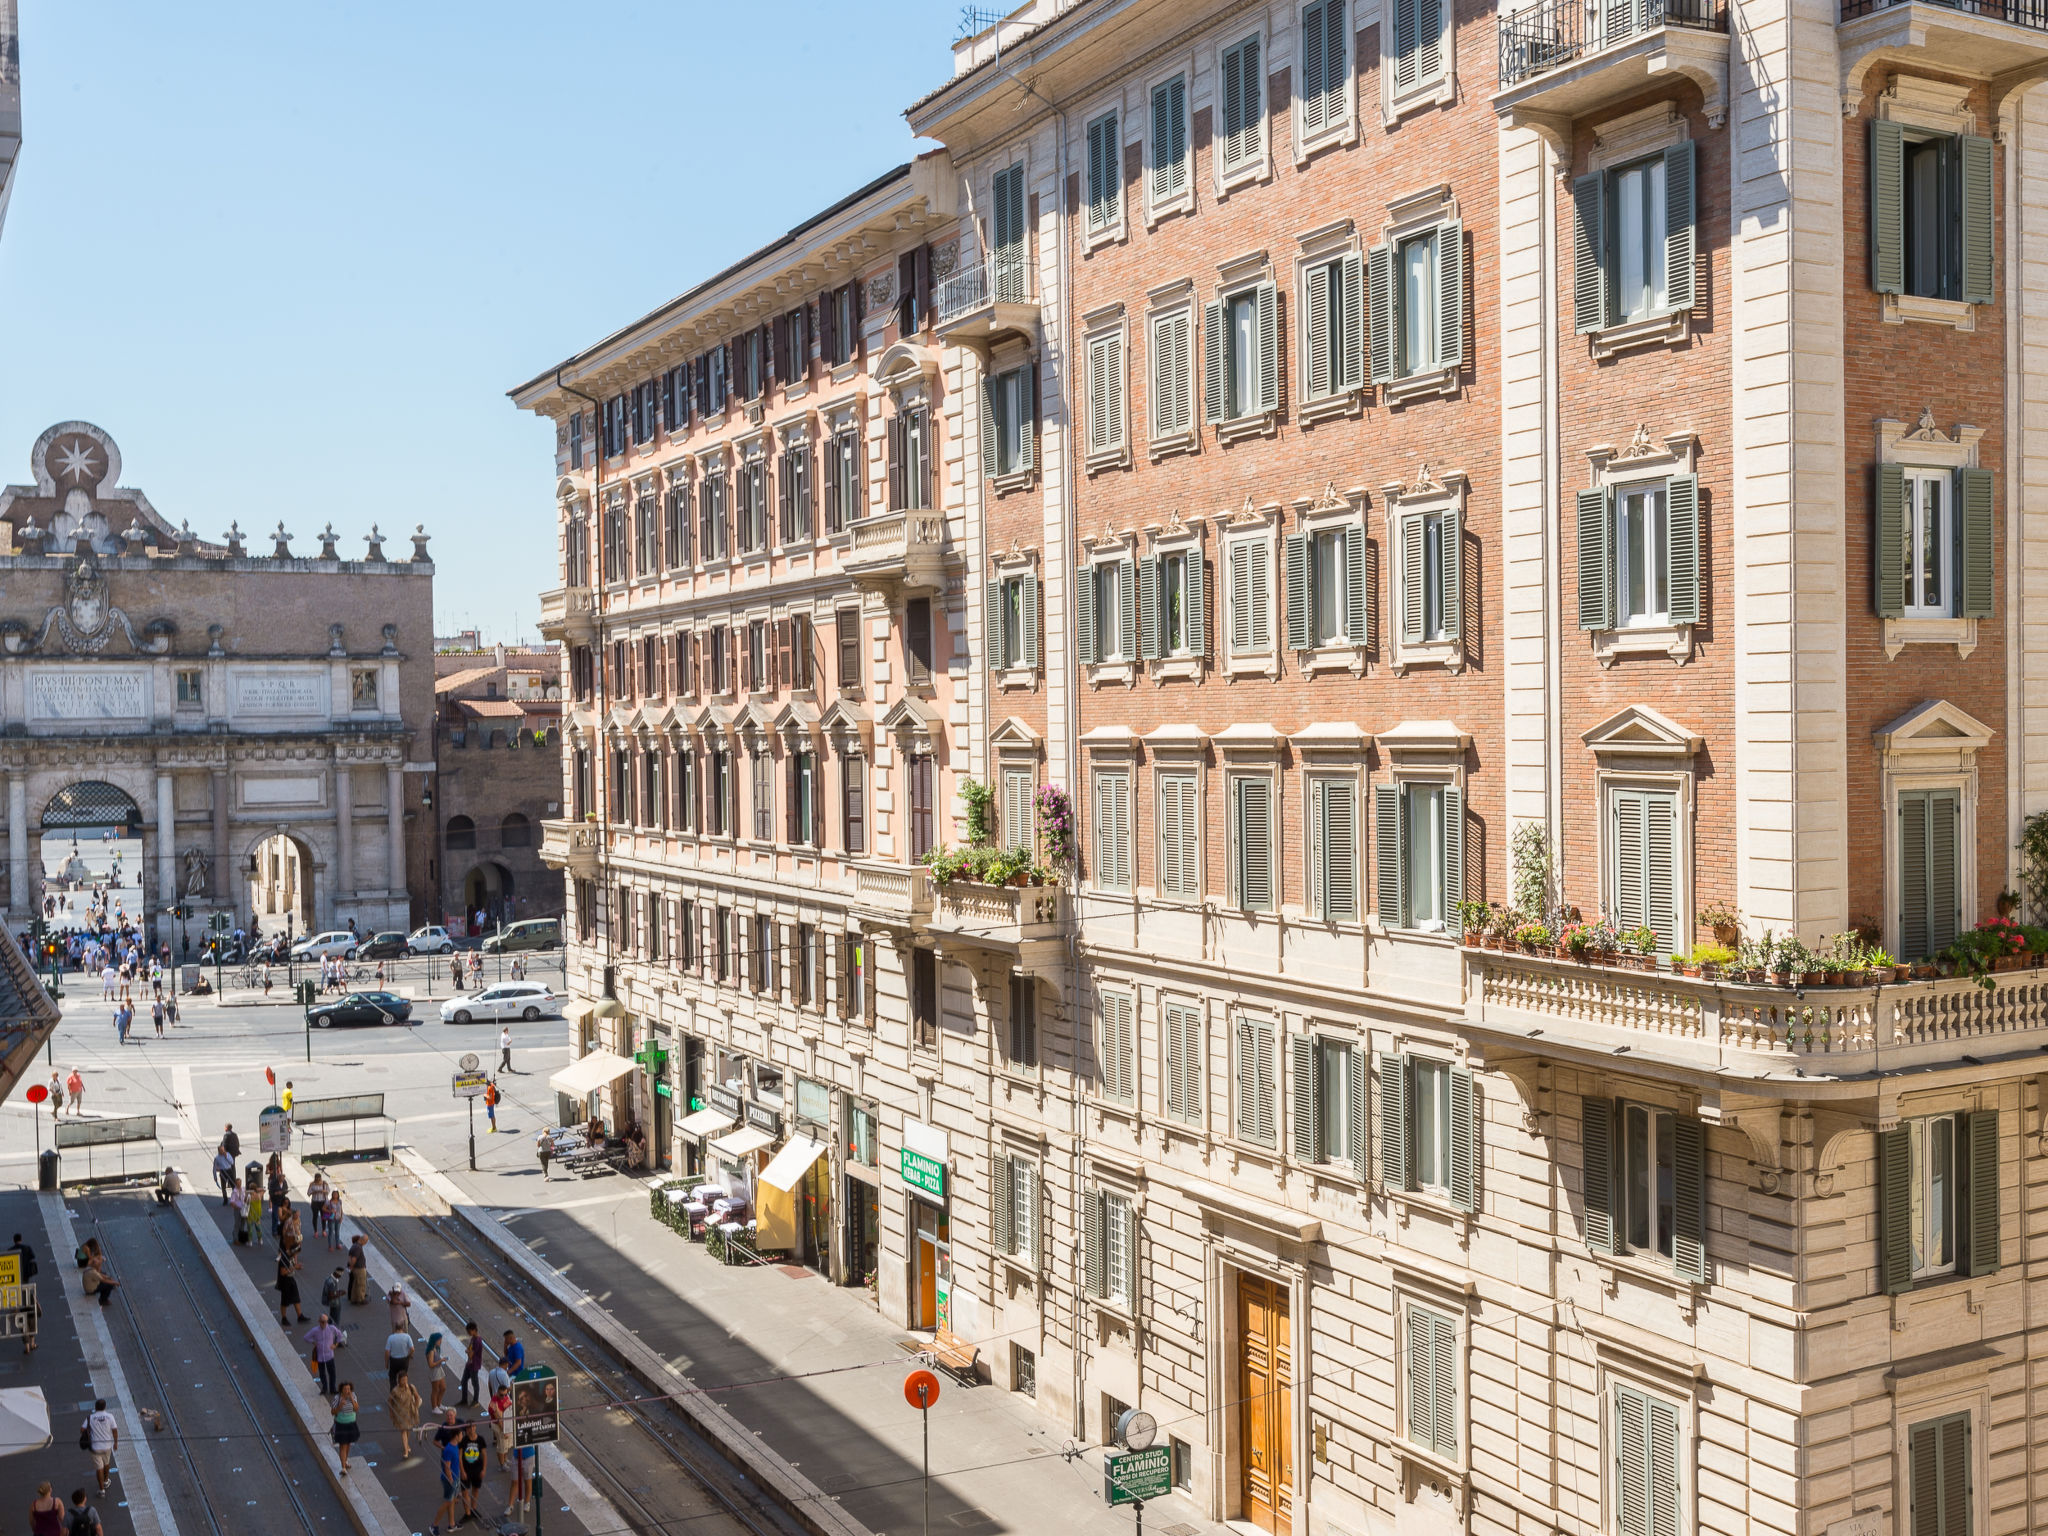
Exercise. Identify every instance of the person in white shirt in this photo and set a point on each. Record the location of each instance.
(104, 1438)
(505, 1049)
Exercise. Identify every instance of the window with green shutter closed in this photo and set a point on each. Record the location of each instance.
(1009, 244)
(1391, 1070)
(1172, 410)
(1333, 849)
(1168, 150)
(1252, 829)
(1938, 1466)
(1432, 1386)
(1929, 878)
(1646, 1475)
(1256, 1085)
(1105, 172)
(1244, 95)
(1643, 837)
(1184, 1043)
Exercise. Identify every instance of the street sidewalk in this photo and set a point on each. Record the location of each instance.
(811, 1368)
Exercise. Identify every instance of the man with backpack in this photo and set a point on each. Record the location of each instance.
(85, 1520)
(100, 1437)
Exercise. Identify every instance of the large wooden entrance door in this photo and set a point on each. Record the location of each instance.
(1266, 1407)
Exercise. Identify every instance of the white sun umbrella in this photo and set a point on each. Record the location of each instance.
(24, 1420)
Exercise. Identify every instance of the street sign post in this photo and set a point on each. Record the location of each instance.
(470, 1083)
(1138, 1475)
(273, 1130)
(921, 1390)
(536, 1407)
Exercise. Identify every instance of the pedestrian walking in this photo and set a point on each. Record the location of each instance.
(475, 1461)
(57, 1086)
(121, 1022)
(333, 1292)
(501, 1424)
(512, 1358)
(74, 1085)
(224, 1175)
(85, 1520)
(325, 1338)
(398, 1348)
(472, 1366)
(346, 1430)
(288, 1289)
(523, 1460)
(401, 1307)
(290, 1236)
(332, 1211)
(171, 1010)
(108, 976)
(437, 1370)
(316, 1196)
(491, 1104)
(231, 1141)
(98, 1282)
(448, 1515)
(156, 1014)
(544, 1149)
(359, 1272)
(285, 1103)
(101, 1437)
(505, 1048)
(403, 1405)
(45, 1513)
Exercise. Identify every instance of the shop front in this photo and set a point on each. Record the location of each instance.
(582, 1088)
(861, 1206)
(923, 1167)
(715, 1115)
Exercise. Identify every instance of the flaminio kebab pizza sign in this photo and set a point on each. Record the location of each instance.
(922, 1164)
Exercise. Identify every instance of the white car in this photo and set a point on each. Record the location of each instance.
(430, 941)
(325, 946)
(512, 1000)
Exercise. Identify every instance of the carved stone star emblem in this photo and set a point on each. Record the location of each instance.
(77, 458)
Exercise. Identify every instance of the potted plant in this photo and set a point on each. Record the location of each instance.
(1641, 942)
(1879, 967)
(1534, 938)
(1579, 941)
(1472, 917)
(1724, 922)
(1787, 958)
(2008, 903)
(1710, 960)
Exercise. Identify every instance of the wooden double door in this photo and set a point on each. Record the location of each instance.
(1265, 1396)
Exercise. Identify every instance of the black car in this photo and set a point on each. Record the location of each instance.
(363, 1008)
(383, 946)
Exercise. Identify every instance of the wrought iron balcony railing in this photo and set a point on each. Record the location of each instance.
(1554, 33)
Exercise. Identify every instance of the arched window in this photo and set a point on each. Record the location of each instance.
(515, 831)
(461, 833)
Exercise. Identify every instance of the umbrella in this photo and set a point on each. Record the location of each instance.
(24, 1420)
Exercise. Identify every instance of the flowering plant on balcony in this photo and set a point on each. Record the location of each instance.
(1533, 936)
(986, 866)
(1056, 827)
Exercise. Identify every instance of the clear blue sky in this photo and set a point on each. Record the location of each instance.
(292, 255)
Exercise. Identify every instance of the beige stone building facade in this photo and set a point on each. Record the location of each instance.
(498, 726)
(1396, 456)
(251, 715)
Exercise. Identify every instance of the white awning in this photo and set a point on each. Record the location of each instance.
(705, 1122)
(789, 1165)
(742, 1142)
(24, 1420)
(588, 1073)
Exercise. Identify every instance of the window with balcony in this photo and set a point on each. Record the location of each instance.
(1105, 612)
(910, 460)
(1930, 870)
(1012, 620)
(1255, 1118)
(1173, 617)
(1634, 240)
(1009, 421)
(1931, 213)
(1008, 245)
(1643, 830)
(1419, 851)
(1241, 355)
(1645, 1184)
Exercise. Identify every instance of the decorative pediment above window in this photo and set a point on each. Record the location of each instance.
(913, 724)
(1177, 739)
(753, 731)
(1013, 735)
(1417, 739)
(711, 724)
(847, 728)
(797, 722)
(1932, 735)
(1109, 741)
(1248, 739)
(1639, 732)
(908, 371)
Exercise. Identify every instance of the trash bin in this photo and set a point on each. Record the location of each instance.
(46, 1171)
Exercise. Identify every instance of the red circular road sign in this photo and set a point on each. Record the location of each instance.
(920, 1389)
(270, 1077)
(36, 1093)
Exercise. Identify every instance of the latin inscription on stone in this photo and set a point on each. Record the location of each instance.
(88, 695)
(279, 693)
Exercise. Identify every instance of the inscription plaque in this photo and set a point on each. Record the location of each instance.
(88, 695)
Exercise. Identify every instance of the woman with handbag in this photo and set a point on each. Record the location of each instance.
(288, 1289)
(346, 1430)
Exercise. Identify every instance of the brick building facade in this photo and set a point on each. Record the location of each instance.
(1411, 455)
(498, 776)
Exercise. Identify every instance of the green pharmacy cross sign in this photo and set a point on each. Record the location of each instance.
(652, 1057)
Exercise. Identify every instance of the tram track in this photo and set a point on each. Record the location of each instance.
(587, 1370)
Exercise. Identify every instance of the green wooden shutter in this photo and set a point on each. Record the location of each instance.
(1240, 598)
(1314, 108)
(1084, 614)
(1268, 307)
(1298, 628)
(1301, 1060)
(1663, 1477)
(1252, 119)
(1627, 816)
(1029, 605)
(1589, 253)
(1596, 1146)
(1413, 574)
(1944, 812)
(1887, 206)
(1247, 1116)
(1895, 1209)
(1214, 406)
(1443, 1380)
(1979, 177)
(1454, 853)
(1451, 530)
(1404, 44)
(1976, 497)
(1380, 280)
(1355, 615)
(1631, 1462)
(1195, 601)
(992, 623)
(1386, 817)
(1354, 1106)
(1913, 938)
(1890, 564)
(999, 1205)
(1092, 1240)
(1680, 225)
(1450, 293)
(1169, 148)
(1682, 520)
(1264, 1090)
(1980, 1249)
(1464, 1142)
(1393, 1089)
(1126, 609)
(1350, 341)
(1337, 840)
(1923, 1460)
(1319, 379)
(990, 426)
(1596, 581)
(1689, 1199)
(1149, 647)
(1027, 416)
(1938, 1456)
(1254, 843)
(1422, 1428)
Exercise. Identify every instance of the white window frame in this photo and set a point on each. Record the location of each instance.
(1941, 1398)
(1015, 388)
(1106, 437)
(1646, 459)
(1122, 876)
(1622, 143)
(1932, 746)
(1430, 496)
(1121, 557)
(1332, 515)
(1921, 1130)
(1160, 205)
(1434, 212)
(1190, 778)
(1340, 122)
(1347, 1051)
(1172, 304)
(1417, 752)
(1431, 1452)
(1178, 541)
(1648, 1378)
(1242, 284)
(1918, 479)
(1238, 1067)
(1256, 166)
(1924, 446)
(1440, 89)
(1260, 538)
(1015, 667)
